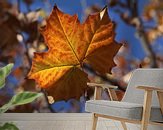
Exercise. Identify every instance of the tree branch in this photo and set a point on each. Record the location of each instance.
(147, 47)
(104, 77)
(132, 7)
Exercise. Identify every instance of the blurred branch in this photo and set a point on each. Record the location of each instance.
(47, 101)
(105, 78)
(18, 4)
(135, 20)
(160, 59)
(146, 44)
(27, 54)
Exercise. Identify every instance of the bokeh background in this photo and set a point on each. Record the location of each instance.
(139, 26)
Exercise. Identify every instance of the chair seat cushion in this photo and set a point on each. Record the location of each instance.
(131, 111)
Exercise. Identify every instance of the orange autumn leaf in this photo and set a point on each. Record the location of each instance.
(71, 44)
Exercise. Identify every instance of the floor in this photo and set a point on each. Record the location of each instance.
(58, 121)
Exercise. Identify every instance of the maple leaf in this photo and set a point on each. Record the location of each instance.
(71, 44)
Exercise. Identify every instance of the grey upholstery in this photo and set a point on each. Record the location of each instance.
(132, 111)
(131, 105)
(143, 77)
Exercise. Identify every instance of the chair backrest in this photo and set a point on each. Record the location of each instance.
(143, 77)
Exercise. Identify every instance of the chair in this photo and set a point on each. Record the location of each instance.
(141, 104)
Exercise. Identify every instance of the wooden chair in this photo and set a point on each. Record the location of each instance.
(137, 106)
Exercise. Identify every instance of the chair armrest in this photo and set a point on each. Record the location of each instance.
(98, 90)
(107, 86)
(147, 88)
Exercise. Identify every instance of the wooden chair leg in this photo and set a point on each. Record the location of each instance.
(124, 125)
(160, 98)
(94, 122)
(146, 110)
